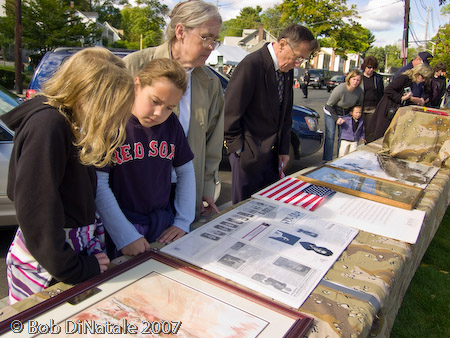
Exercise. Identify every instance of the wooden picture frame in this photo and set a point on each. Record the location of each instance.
(153, 292)
(361, 185)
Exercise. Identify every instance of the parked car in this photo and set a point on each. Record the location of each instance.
(7, 211)
(51, 62)
(318, 78)
(334, 81)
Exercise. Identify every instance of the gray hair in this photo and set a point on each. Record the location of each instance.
(191, 14)
(297, 34)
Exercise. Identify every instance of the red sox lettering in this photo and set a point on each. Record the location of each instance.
(128, 152)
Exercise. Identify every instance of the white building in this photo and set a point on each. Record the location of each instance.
(251, 39)
(327, 59)
(109, 33)
(2, 9)
(226, 55)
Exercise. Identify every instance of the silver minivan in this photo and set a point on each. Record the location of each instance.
(7, 212)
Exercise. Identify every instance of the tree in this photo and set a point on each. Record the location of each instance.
(248, 18)
(330, 21)
(7, 26)
(47, 24)
(440, 44)
(351, 38)
(446, 9)
(391, 53)
(271, 19)
(107, 12)
(146, 22)
(322, 17)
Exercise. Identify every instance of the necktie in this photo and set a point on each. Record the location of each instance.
(280, 84)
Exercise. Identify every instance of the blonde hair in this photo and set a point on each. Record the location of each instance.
(190, 14)
(352, 74)
(95, 92)
(421, 69)
(167, 68)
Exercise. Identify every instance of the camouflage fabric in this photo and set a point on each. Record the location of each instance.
(419, 136)
(366, 285)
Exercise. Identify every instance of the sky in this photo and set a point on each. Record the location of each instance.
(384, 18)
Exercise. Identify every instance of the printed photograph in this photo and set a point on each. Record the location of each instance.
(158, 298)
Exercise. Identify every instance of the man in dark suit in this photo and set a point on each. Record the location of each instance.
(258, 111)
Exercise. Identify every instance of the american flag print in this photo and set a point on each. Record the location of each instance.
(295, 192)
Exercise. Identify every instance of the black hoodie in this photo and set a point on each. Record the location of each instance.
(50, 188)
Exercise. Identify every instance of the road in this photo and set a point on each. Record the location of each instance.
(316, 100)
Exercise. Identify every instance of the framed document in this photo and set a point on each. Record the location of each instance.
(358, 184)
(387, 167)
(153, 295)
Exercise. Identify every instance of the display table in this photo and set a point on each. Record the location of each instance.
(363, 291)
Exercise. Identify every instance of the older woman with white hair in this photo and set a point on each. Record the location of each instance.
(191, 36)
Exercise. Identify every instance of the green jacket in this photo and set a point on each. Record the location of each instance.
(205, 135)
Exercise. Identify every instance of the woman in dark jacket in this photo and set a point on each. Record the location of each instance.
(395, 95)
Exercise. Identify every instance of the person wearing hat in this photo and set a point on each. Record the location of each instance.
(422, 57)
(418, 89)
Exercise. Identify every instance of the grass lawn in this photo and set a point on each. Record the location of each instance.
(425, 311)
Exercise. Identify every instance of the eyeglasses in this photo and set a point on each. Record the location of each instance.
(369, 67)
(209, 42)
(298, 59)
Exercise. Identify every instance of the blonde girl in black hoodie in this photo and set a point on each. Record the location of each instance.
(60, 137)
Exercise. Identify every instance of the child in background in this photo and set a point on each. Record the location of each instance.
(59, 138)
(133, 195)
(352, 131)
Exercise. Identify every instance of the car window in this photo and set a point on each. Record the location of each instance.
(53, 60)
(5, 135)
(47, 70)
(6, 103)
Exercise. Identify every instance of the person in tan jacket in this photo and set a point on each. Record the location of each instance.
(191, 37)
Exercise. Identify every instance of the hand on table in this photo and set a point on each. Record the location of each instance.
(103, 261)
(137, 247)
(171, 234)
(210, 208)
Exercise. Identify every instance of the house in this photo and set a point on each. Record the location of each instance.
(226, 55)
(2, 8)
(251, 39)
(327, 59)
(109, 33)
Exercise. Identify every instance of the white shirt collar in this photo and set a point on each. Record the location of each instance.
(273, 55)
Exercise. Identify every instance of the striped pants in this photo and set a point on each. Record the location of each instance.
(26, 276)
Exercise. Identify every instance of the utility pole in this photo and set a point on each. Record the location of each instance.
(426, 29)
(386, 63)
(18, 47)
(405, 34)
